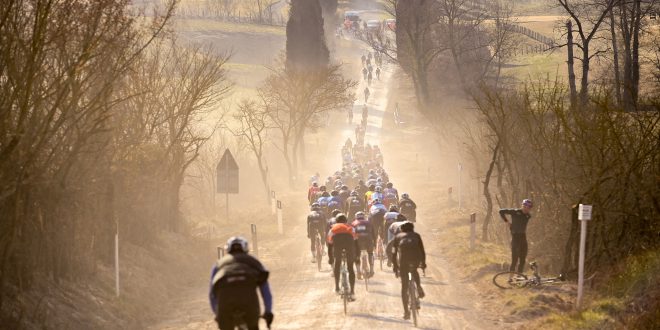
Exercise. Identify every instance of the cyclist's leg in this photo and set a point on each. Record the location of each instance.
(370, 253)
(415, 275)
(335, 270)
(404, 288)
(523, 254)
(312, 240)
(351, 273)
(514, 253)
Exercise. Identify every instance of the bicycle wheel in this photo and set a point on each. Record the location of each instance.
(510, 280)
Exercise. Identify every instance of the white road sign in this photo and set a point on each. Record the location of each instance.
(584, 212)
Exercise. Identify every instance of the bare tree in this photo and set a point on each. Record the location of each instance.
(588, 17)
(253, 129)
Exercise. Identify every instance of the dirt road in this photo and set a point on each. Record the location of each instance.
(304, 297)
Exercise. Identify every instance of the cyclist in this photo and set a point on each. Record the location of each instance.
(323, 202)
(391, 195)
(409, 247)
(366, 241)
(311, 193)
(234, 280)
(335, 201)
(353, 205)
(392, 230)
(367, 195)
(344, 193)
(366, 93)
(342, 237)
(316, 223)
(377, 195)
(369, 77)
(377, 217)
(407, 207)
(378, 73)
(331, 219)
(364, 73)
(518, 226)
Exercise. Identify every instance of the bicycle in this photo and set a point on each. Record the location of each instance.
(515, 280)
(380, 251)
(364, 259)
(413, 300)
(345, 290)
(319, 250)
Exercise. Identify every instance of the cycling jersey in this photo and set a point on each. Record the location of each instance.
(377, 195)
(354, 205)
(519, 220)
(334, 203)
(377, 209)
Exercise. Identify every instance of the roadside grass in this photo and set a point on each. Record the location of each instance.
(537, 65)
(207, 25)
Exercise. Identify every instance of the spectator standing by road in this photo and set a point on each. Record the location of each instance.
(518, 226)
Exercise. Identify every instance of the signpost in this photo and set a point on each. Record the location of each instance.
(473, 229)
(227, 177)
(273, 202)
(280, 225)
(221, 252)
(460, 170)
(117, 261)
(584, 215)
(253, 229)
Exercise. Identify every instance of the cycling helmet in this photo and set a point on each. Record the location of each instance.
(335, 212)
(341, 218)
(379, 189)
(407, 227)
(405, 195)
(322, 188)
(371, 171)
(344, 187)
(394, 208)
(316, 206)
(379, 179)
(372, 187)
(359, 215)
(315, 184)
(376, 201)
(325, 194)
(401, 217)
(236, 243)
(334, 193)
(390, 185)
(528, 203)
(354, 193)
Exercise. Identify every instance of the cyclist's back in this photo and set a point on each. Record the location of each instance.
(234, 280)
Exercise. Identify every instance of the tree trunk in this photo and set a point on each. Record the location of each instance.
(584, 83)
(635, 52)
(570, 62)
(489, 199)
(615, 52)
(264, 175)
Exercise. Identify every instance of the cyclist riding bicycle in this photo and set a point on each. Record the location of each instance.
(366, 93)
(378, 73)
(234, 280)
(316, 224)
(392, 230)
(391, 195)
(354, 204)
(367, 195)
(342, 237)
(377, 195)
(366, 240)
(335, 201)
(323, 202)
(407, 207)
(364, 73)
(311, 193)
(377, 217)
(409, 247)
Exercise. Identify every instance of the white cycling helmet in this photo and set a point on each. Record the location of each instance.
(237, 240)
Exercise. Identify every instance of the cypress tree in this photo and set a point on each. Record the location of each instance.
(305, 41)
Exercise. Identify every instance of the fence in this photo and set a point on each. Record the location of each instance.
(236, 16)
